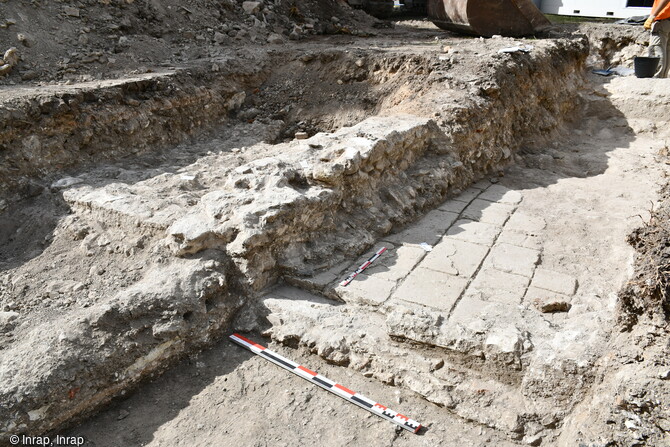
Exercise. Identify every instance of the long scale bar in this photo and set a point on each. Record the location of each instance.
(363, 266)
(327, 384)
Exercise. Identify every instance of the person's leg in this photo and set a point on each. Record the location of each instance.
(665, 43)
(658, 46)
(655, 49)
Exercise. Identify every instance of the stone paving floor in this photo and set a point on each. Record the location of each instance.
(477, 248)
(502, 291)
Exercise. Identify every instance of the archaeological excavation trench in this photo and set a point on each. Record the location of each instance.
(145, 218)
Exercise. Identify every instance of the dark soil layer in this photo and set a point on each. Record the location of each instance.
(648, 292)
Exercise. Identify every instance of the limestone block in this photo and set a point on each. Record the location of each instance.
(427, 326)
(526, 222)
(453, 206)
(396, 263)
(455, 257)
(482, 184)
(489, 212)
(555, 282)
(501, 194)
(519, 238)
(365, 289)
(469, 312)
(513, 259)
(429, 229)
(475, 232)
(494, 285)
(402, 319)
(431, 288)
(468, 195)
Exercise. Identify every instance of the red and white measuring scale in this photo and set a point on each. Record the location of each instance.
(327, 384)
(363, 266)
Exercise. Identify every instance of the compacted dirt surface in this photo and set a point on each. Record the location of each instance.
(175, 172)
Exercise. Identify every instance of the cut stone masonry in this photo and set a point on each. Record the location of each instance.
(468, 297)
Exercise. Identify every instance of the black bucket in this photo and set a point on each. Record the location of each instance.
(645, 67)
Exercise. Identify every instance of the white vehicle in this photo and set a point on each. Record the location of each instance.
(596, 8)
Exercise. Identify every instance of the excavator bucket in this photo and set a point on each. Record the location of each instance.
(511, 18)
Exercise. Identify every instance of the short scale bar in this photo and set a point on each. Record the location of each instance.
(363, 266)
(327, 384)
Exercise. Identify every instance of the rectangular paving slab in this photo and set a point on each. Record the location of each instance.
(431, 288)
(395, 263)
(364, 289)
(519, 238)
(494, 285)
(489, 212)
(453, 206)
(468, 195)
(455, 257)
(475, 232)
(528, 223)
(501, 194)
(429, 229)
(554, 281)
(512, 259)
